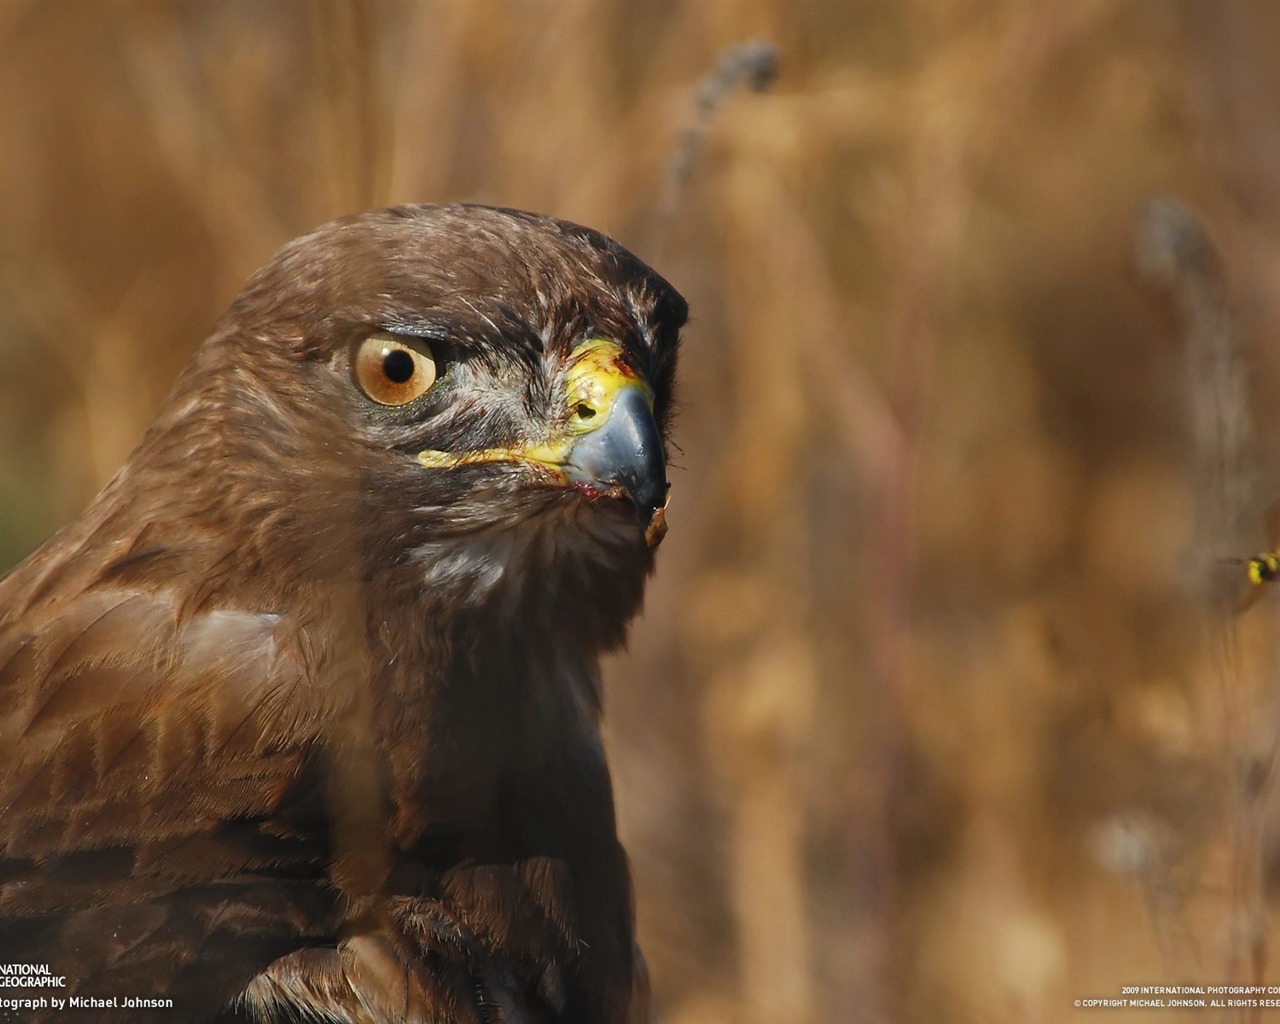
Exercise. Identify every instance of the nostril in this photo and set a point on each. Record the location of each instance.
(584, 411)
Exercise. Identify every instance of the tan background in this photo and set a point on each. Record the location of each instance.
(925, 720)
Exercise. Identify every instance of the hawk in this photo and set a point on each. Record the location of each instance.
(299, 721)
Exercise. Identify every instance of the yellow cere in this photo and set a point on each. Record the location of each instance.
(597, 372)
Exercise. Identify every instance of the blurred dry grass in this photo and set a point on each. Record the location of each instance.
(927, 719)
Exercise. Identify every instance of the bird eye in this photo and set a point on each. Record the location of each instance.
(393, 370)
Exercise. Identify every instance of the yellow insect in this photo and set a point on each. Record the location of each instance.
(1262, 568)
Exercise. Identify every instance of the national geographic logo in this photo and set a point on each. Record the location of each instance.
(30, 976)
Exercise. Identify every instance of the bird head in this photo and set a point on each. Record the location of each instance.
(477, 398)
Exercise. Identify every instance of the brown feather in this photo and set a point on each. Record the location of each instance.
(293, 729)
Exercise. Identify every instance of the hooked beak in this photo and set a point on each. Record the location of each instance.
(609, 446)
(623, 453)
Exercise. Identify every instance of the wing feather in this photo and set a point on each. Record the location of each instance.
(152, 764)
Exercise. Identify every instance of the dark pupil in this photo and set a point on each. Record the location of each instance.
(397, 365)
